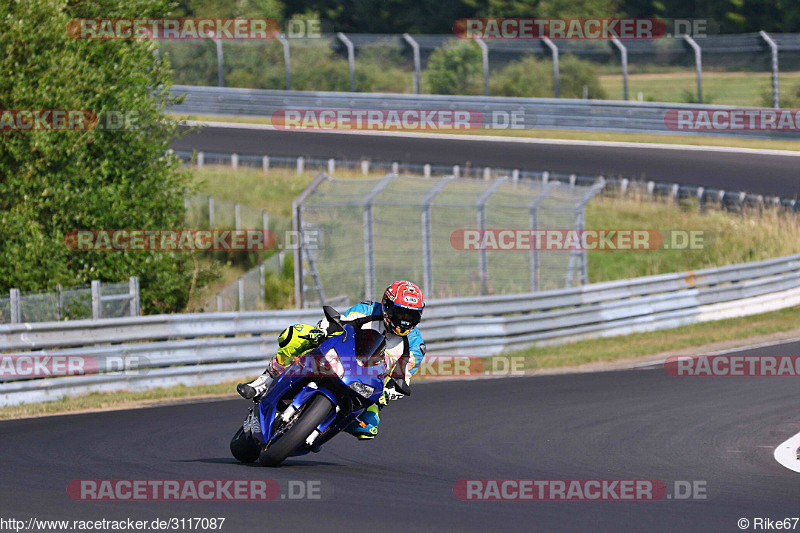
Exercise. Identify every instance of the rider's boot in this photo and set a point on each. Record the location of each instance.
(365, 426)
(258, 386)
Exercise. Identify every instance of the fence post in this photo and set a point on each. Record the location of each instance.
(624, 57)
(485, 62)
(351, 59)
(365, 166)
(14, 303)
(96, 307)
(201, 159)
(211, 212)
(240, 284)
(331, 166)
(286, 61)
(426, 170)
(700, 198)
(220, 61)
(264, 222)
(369, 259)
(457, 171)
(415, 49)
(554, 50)
(265, 163)
(133, 291)
(427, 252)
(533, 223)
(297, 226)
(395, 167)
(235, 161)
(483, 264)
(773, 46)
(237, 216)
(698, 64)
(59, 301)
(301, 163)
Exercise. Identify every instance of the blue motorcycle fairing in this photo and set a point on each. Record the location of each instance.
(312, 367)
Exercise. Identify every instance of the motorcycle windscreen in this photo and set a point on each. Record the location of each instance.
(370, 346)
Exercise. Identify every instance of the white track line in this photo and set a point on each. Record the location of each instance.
(519, 140)
(786, 453)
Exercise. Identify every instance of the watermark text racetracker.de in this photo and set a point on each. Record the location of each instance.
(733, 119)
(579, 28)
(197, 489)
(68, 120)
(579, 239)
(578, 490)
(728, 365)
(196, 28)
(396, 119)
(186, 240)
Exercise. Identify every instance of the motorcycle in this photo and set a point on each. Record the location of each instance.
(322, 392)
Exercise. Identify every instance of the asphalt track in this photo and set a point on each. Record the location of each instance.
(631, 424)
(738, 171)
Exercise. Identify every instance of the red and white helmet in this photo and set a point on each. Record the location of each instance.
(402, 307)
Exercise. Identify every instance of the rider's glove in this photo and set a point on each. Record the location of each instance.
(390, 393)
(315, 335)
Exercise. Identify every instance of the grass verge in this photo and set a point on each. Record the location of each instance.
(655, 342)
(735, 330)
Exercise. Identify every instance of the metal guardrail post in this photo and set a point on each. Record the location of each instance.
(220, 62)
(297, 224)
(286, 61)
(427, 252)
(415, 48)
(554, 50)
(133, 291)
(485, 62)
(14, 306)
(533, 223)
(773, 46)
(624, 58)
(483, 263)
(351, 59)
(369, 251)
(97, 310)
(698, 64)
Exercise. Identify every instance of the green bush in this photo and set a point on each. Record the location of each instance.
(52, 182)
(531, 76)
(454, 69)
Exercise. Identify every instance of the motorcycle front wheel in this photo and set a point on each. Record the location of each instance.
(317, 410)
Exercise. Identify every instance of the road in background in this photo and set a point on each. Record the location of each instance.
(757, 173)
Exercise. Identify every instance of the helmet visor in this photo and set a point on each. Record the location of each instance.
(402, 318)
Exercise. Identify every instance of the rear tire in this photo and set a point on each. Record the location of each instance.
(243, 448)
(310, 418)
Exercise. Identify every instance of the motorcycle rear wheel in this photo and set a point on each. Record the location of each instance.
(317, 410)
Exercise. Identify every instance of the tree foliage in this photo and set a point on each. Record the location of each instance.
(52, 182)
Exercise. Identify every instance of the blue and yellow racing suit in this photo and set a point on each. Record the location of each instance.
(405, 353)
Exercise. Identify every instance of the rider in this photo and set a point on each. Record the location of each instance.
(396, 317)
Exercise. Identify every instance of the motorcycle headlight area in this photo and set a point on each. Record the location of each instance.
(364, 390)
(334, 363)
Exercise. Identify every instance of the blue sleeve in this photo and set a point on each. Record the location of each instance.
(360, 309)
(417, 347)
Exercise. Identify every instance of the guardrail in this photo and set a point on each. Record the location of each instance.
(547, 113)
(157, 351)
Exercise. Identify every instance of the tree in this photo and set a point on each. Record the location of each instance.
(52, 182)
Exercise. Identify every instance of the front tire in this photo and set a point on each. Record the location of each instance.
(243, 448)
(310, 418)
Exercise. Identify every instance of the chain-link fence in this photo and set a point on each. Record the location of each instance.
(674, 68)
(248, 292)
(374, 231)
(98, 300)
